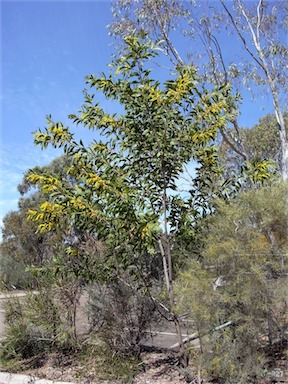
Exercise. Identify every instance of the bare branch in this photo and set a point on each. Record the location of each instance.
(172, 48)
(218, 49)
(240, 34)
(232, 142)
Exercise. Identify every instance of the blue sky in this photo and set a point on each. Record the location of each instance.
(47, 49)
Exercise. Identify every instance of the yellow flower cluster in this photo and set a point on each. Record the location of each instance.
(49, 212)
(99, 147)
(107, 121)
(183, 86)
(41, 137)
(96, 181)
(145, 232)
(45, 227)
(77, 203)
(47, 184)
(72, 252)
(155, 95)
(50, 207)
(57, 130)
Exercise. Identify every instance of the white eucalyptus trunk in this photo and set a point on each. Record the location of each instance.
(270, 77)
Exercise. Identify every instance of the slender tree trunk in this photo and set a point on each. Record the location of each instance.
(279, 117)
(168, 273)
(284, 146)
(169, 286)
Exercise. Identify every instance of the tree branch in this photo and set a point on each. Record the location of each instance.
(240, 34)
(162, 26)
(229, 141)
(259, 11)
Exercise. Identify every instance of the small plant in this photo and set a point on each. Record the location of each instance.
(35, 326)
(97, 358)
(121, 315)
(22, 340)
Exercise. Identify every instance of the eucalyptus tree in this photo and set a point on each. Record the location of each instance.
(262, 143)
(125, 188)
(22, 245)
(261, 28)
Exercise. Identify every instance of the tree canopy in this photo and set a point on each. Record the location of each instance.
(122, 188)
(258, 30)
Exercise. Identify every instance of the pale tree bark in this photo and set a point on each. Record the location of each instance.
(261, 61)
(166, 257)
(165, 250)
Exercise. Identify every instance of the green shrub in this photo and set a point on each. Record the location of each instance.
(22, 340)
(102, 362)
(246, 251)
(35, 325)
(121, 315)
(13, 273)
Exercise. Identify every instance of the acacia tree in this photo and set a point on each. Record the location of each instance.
(260, 27)
(123, 187)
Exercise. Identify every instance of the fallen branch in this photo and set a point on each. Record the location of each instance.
(195, 336)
